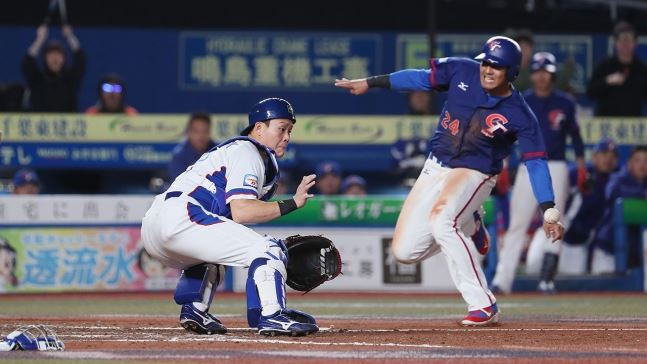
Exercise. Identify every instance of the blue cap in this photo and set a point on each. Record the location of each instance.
(25, 176)
(605, 145)
(328, 167)
(268, 109)
(351, 180)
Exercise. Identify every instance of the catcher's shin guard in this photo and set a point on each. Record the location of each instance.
(198, 284)
(195, 291)
(266, 282)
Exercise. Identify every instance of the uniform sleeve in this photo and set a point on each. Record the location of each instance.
(436, 77)
(533, 154)
(245, 172)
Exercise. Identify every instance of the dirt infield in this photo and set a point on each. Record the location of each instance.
(519, 339)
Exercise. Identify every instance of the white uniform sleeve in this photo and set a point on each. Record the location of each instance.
(245, 172)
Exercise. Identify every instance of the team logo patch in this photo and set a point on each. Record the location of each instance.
(494, 122)
(555, 118)
(250, 180)
(493, 45)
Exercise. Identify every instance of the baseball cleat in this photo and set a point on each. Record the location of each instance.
(300, 316)
(283, 323)
(199, 322)
(546, 287)
(481, 237)
(484, 317)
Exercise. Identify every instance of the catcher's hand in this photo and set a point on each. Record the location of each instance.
(312, 260)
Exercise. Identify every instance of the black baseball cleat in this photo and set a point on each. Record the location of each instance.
(199, 322)
(283, 323)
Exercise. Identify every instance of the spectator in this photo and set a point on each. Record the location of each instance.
(354, 185)
(112, 95)
(328, 178)
(197, 142)
(619, 83)
(630, 182)
(419, 103)
(285, 185)
(26, 182)
(54, 88)
(526, 41)
(587, 207)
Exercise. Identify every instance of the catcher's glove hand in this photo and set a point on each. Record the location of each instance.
(312, 260)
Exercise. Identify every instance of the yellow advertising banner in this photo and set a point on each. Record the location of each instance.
(310, 129)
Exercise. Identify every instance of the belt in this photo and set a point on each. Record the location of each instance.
(172, 194)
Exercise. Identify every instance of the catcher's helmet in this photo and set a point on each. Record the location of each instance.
(504, 52)
(268, 109)
(543, 61)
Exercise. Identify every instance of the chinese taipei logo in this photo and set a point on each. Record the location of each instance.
(494, 122)
(494, 45)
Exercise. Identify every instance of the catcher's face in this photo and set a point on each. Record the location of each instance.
(274, 135)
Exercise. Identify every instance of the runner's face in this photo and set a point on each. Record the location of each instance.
(493, 79)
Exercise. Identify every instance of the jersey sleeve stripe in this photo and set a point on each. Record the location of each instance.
(432, 74)
(534, 155)
(240, 191)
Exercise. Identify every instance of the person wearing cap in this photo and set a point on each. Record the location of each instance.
(197, 142)
(482, 117)
(26, 182)
(629, 182)
(354, 185)
(619, 83)
(587, 207)
(328, 178)
(199, 225)
(111, 90)
(555, 111)
(54, 88)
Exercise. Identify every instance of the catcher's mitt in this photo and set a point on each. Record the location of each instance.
(312, 260)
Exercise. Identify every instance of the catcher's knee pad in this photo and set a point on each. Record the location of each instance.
(198, 283)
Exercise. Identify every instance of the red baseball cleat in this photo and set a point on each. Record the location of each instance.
(484, 317)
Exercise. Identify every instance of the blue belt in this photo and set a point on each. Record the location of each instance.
(172, 194)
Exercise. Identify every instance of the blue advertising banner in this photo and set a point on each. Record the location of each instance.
(413, 51)
(271, 61)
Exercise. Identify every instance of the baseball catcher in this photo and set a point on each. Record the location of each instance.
(312, 260)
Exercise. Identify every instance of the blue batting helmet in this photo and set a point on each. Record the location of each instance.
(504, 52)
(268, 109)
(543, 61)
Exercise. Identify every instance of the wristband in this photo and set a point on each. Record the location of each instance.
(545, 206)
(381, 81)
(287, 206)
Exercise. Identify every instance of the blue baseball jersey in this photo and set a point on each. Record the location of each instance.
(592, 206)
(621, 184)
(477, 130)
(556, 116)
